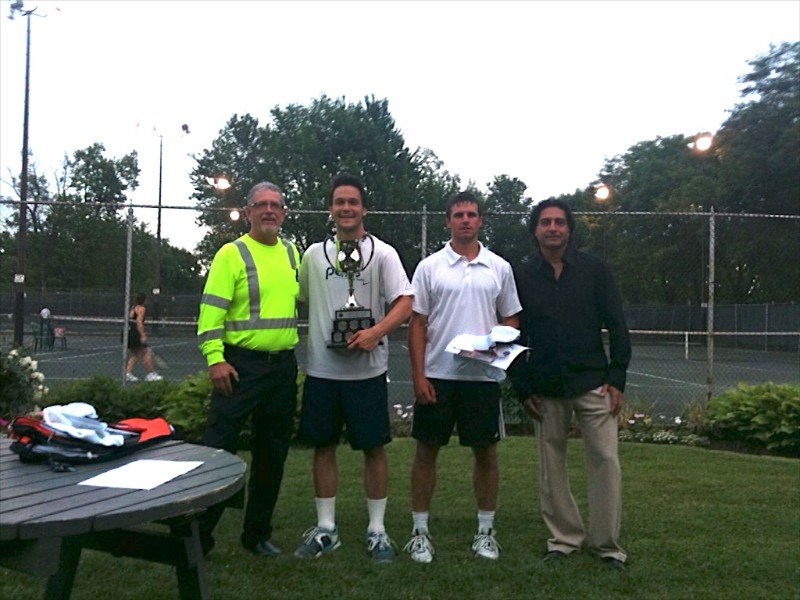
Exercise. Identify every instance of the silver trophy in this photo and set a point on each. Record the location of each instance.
(351, 317)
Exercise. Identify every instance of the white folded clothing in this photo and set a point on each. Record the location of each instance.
(79, 420)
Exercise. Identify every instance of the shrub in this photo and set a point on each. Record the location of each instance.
(104, 393)
(112, 400)
(186, 405)
(21, 385)
(761, 416)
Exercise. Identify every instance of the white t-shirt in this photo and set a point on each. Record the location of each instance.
(460, 296)
(326, 291)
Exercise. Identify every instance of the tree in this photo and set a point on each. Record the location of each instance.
(664, 176)
(77, 238)
(98, 180)
(301, 150)
(505, 228)
(759, 144)
(759, 154)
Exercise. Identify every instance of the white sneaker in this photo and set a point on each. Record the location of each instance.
(420, 547)
(130, 377)
(153, 376)
(485, 546)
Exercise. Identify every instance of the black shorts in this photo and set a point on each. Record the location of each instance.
(360, 407)
(134, 341)
(471, 407)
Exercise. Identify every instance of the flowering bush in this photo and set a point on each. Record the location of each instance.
(400, 419)
(640, 426)
(21, 385)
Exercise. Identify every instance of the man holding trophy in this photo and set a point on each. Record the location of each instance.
(347, 282)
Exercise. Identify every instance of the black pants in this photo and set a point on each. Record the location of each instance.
(266, 393)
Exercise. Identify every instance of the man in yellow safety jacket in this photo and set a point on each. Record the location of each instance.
(247, 331)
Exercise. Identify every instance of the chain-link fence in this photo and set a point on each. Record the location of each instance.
(711, 301)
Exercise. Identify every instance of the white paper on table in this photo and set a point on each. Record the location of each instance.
(500, 356)
(143, 474)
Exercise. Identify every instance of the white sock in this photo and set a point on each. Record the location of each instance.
(420, 521)
(326, 513)
(485, 520)
(376, 510)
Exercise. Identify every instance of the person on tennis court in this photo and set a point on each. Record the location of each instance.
(137, 342)
(568, 297)
(247, 332)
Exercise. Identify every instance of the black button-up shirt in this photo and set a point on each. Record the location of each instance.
(562, 321)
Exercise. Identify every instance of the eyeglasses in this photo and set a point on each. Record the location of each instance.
(272, 205)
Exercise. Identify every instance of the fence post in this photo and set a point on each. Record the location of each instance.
(127, 302)
(424, 233)
(710, 313)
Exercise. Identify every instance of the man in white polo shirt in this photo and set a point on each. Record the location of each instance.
(462, 288)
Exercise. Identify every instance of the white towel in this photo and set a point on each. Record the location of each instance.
(79, 420)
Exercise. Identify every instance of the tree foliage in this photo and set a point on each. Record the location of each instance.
(98, 180)
(759, 144)
(751, 168)
(77, 239)
(300, 150)
(505, 223)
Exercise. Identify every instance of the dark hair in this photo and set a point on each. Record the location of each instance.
(348, 179)
(140, 298)
(460, 198)
(533, 220)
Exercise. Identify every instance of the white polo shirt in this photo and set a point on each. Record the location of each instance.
(460, 296)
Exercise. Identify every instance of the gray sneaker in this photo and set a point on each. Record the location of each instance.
(380, 547)
(485, 545)
(318, 541)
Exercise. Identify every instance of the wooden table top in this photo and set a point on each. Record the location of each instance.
(36, 502)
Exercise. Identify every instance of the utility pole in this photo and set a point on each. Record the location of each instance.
(19, 274)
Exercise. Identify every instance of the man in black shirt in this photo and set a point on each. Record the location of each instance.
(567, 298)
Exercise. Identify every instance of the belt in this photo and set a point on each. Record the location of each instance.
(270, 356)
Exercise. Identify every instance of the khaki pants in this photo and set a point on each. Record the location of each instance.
(559, 510)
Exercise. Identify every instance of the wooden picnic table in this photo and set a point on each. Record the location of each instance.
(46, 518)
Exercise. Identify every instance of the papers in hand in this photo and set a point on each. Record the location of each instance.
(499, 354)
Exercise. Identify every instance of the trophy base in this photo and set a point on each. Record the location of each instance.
(346, 322)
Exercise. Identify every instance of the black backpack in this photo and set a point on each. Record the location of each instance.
(36, 442)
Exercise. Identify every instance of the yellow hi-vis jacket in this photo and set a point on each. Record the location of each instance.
(249, 299)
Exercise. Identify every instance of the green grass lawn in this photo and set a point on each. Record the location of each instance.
(696, 524)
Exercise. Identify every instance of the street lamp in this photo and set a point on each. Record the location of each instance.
(157, 282)
(602, 192)
(221, 184)
(19, 275)
(702, 142)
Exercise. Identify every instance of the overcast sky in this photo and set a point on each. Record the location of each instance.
(542, 91)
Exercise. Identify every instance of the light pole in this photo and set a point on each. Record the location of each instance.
(19, 275)
(157, 281)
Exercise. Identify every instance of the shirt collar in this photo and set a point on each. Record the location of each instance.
(453, 257)
(568, 258)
